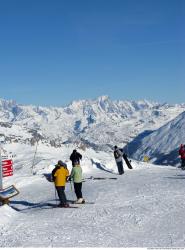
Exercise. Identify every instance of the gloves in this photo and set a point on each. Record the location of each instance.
(69, 179)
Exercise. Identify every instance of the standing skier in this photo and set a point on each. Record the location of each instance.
(118, 158)
(75, 157)
(182, 155)
(76, 175)
(60, 174)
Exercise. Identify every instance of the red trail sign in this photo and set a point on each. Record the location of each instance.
(7, 167)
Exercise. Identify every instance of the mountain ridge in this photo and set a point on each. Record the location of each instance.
(100, 122)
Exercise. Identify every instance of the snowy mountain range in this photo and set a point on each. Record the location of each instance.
(100, 123)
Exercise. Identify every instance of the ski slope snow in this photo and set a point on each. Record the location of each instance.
(142, 208)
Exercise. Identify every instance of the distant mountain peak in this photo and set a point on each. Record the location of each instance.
(103, 98)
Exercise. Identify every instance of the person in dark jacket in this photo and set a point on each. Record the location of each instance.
(75, 157)
(182, 155)
(60, 174)
(118, 154)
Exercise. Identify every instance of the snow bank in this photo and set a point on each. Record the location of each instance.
(7, 214)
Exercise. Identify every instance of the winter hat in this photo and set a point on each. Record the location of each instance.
(62, 164)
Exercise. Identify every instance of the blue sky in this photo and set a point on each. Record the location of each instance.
(56, 51)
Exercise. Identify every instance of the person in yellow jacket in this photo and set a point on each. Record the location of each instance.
(60, 174)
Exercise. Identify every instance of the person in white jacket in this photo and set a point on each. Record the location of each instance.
(118, 158)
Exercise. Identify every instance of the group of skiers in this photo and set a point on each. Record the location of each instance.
(60, 176)
(60, 173)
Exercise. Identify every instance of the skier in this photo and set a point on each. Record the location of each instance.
(59, 175)
(75, 157)
(182, 155)
(76, 175)
(118, 158)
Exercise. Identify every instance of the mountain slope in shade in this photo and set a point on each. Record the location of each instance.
(162, 144)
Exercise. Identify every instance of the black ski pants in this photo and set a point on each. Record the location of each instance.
(120, 167)
(78, 189)
(61, 195)
(183, 164)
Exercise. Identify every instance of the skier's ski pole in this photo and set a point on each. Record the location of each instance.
(56, 195)
(71, 186)
(72, 190)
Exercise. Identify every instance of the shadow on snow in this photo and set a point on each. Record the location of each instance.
(101, 166)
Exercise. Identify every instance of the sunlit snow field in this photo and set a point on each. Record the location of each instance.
(142, 208)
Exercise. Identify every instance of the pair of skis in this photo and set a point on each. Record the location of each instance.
(101, 178)
(71, 205)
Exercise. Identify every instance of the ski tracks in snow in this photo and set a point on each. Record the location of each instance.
(141, 209)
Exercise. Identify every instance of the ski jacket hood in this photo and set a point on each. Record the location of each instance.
(60, 174)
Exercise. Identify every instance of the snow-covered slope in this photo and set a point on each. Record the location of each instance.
(99, 123)
(130, 211)
(142, 208)
(162, 144)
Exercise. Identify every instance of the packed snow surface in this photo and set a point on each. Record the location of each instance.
(142, 208)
